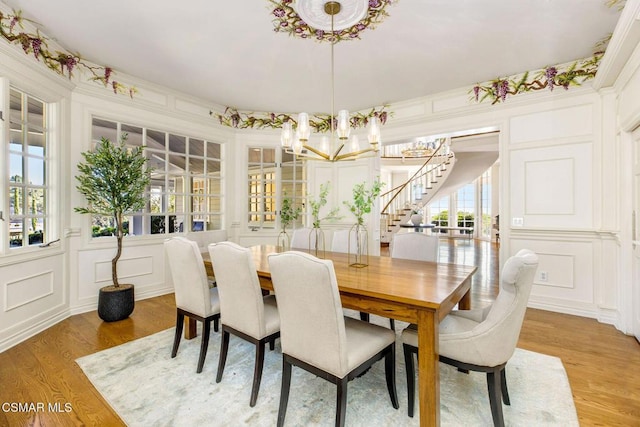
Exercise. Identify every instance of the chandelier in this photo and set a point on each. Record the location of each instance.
(298, 142)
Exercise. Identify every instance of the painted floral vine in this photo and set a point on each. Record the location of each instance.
(63, 63)
(287, 20)
(319, 122)
(573, 74)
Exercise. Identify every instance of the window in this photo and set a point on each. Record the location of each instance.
(439, 212)
(272, 174)
(29, 163)
(465, 203)
(485, 203)
(185, 193)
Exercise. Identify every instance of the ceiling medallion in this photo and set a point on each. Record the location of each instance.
(308, 18)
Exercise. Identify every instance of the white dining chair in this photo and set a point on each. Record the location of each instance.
(483, 339)
(194, 297)
(244, 311)
(415, 246)
(315, 335)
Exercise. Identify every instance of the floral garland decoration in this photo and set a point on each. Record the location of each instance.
(36, 44)
(320, 122)
(574, 74)
(287, 20)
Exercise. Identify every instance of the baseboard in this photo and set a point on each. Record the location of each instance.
(34, 329)
(558, 307)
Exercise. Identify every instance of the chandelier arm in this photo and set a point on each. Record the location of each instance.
(335, 153)
(317, 152)
(353, 154)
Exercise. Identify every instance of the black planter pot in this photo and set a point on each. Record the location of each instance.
(115, 303)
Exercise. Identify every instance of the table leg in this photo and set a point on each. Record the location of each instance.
(190, 328)
(465, 301)
(428, 368)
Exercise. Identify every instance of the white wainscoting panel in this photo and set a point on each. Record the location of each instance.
(552, 187)
(141, 265)
(549, 187)
(554, 124)
(29, 288)
(32, 298)
(564, 280)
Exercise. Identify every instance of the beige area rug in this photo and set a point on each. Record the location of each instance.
(148, 388)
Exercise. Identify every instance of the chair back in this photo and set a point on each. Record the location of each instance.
(312, 325)
(241, 302)
(303, 238)
(415, 246)
(192, 291)
(340, 242)
(493, 341)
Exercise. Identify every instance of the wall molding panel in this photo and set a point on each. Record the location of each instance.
(24, 290)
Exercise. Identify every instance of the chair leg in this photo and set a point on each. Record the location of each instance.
(284, 391)
(215, 324)
(411, 372)
(178, 336)
(495, 398)
(224, 347)
(503, 384)
(364, 316)
(272, 344)
(341, 401)
(392, 324)
(257, 373)
(206, 331)
(390, 374)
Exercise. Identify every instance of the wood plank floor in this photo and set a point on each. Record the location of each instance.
(603, 364)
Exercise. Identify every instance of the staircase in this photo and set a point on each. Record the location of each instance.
(399, 202)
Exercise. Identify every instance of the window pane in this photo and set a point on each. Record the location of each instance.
(15, 168)
(213, 150)
(134, 135)
(36, 202)
(16, 138)
(155, 139)
(177, 144)
(196, 147)
(213, 167)
(36, 144)
(104, 129)
(36, 115)
(196, 166)
(36, 171)
(156, 161)
(16, 201)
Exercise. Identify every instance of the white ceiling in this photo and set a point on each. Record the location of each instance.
(228, 54)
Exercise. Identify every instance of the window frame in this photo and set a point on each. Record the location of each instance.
(170, 219)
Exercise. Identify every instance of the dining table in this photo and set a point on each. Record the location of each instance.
(417, 292)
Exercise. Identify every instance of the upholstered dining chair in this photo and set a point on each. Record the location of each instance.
(415, 246)
(194, 298)
(300, 238)
(483, 340)
(245, 312)
(340, 242)
(315, 335)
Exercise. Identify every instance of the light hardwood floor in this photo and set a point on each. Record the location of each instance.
(603, 364)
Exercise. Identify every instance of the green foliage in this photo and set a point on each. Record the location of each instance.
(363, 199)
(319, 203)
(288, 212)
(113, 179)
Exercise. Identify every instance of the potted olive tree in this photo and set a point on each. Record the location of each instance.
(113, 179)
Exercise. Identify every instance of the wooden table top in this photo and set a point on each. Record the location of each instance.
(415, 283)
